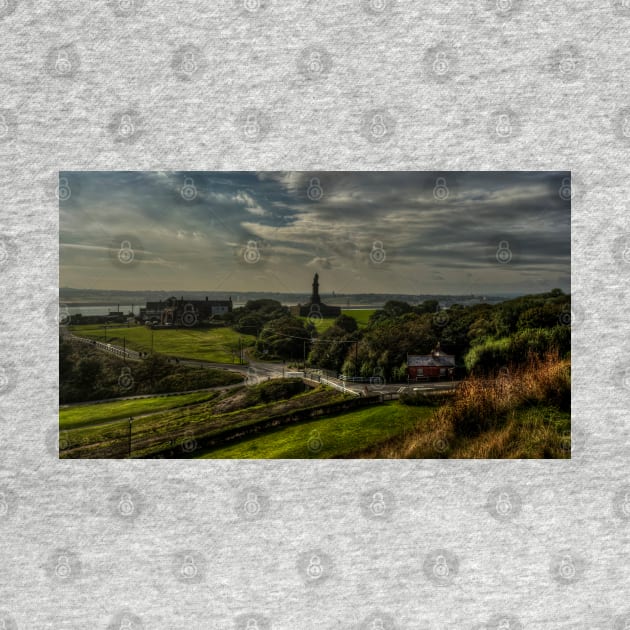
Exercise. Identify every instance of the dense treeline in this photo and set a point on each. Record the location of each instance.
(483, 337)
(87, 374)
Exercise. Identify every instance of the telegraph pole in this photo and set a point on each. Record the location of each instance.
(130, 423)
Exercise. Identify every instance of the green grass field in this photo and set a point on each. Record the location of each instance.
(339, 435)
(84, 415)
(361, 316)
(219, 345)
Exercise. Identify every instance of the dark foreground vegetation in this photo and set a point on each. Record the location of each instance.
(86, 374)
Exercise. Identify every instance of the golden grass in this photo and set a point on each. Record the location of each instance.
(523, 413)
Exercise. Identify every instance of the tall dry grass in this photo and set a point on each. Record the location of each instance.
(512, 415)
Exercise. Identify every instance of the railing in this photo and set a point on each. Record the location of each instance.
(127, 354)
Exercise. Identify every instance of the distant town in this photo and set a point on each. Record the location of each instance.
(92, 306)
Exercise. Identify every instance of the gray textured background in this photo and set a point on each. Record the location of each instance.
(559, 71)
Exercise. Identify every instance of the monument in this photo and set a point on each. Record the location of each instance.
(315, 308)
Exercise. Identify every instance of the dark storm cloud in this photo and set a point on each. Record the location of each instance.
(435, 227)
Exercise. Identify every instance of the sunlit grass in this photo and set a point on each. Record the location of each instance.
(220, 345)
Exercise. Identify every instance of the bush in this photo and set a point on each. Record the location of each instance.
(271, 391)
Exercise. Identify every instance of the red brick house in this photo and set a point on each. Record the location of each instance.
(437, 365)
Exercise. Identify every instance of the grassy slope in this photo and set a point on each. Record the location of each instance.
(523, 415)
(217, 344)
(159, 430)
(84, 415)
(340, 434)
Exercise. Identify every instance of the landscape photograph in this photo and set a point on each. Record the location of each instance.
(305, 315)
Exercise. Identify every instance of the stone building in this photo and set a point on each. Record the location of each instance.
(180, 312)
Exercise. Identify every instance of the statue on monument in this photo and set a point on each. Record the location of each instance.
(315, 299)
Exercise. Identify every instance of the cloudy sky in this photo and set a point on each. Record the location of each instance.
(364, 232)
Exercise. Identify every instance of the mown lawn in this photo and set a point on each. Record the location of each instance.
(84, 415)
(336, 435)
(361, 316)
(219, 345)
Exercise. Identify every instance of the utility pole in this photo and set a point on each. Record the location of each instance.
(105, 327)
(356, 359)
(130, 423)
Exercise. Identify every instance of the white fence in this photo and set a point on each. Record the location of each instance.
(107, 347)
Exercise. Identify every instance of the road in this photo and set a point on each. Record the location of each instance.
(258, 371)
